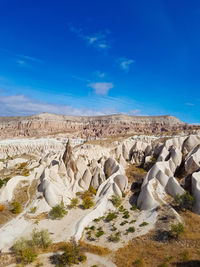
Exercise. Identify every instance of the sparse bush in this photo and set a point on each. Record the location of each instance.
(74, 202)
(24, 251)
(1, 183)
(16, 208)
(92, 228)
(132, 221)
(111, 216)
(116, 200)
(88, 202)
(143, 224)
(134, 207)
(22, 166)
(99, 219)
(131, 230)
(33, 210)
(115, 238)
(72, 254)
(113, 228)
(58, 211)
(126, 215)
(92, 190)
(185, 201)
(185, 256)
(124, 222)
(121, 209)
(99, 233)
(176, 230)
(41, 238)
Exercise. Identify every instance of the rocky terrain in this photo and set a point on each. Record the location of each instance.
(106, 195)
(86, 127)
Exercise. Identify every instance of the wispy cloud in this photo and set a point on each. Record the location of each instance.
(20, 105)
(101, 88)
(100, 74)
(31, 59)
(97, 40)
(125, 63)
(190, 104)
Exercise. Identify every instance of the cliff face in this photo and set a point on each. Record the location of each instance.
(84, 127)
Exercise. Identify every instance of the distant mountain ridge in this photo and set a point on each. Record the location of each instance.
(84, 126)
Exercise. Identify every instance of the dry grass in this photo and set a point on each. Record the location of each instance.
(94, 249)
(153, 253)
(135, 173)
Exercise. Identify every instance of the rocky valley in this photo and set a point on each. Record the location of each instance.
(132, 200)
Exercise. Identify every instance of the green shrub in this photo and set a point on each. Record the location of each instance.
(99, 233)
(99, 219)
(74, 202)
(185, 201)
(133, 221)
(88, 202)
(24, 251)
(41, 238)
(92, 190)
(134, 207)
(115, 238)
(113, 228)
(131, 230)
(176, 230)
(1, 183)
(111, 216)
(124, 222)
(33, 210)
(138, 263)
(72, 254)
(16, 208)
(126, 215)
(121, 209)
(58, 211)
(92, 227)
(143, 224)
(116, 200)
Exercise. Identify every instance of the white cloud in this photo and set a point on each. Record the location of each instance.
(97, 40)
(124, 63)
(20, 105)
(101, 88)
(100, 74)
(189, 104)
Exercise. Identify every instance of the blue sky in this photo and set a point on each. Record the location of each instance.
(100, 57)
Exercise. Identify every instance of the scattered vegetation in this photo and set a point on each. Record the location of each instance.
(134, 208)
(115, 238)
(121, 209)
(126, 215)
(99, 219)
(88, 202)
(176, 230)
(124, 222)
(92, 190)
(33, 210)
(111, 216)
(4, 181)
(16, 208)
(131, 230)
(99, 233)
(185, 201)
(73, 254)
(116, 200)
(26, 251)
(58, 212)
(74, 202)
(143, 224)
(132, 221)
